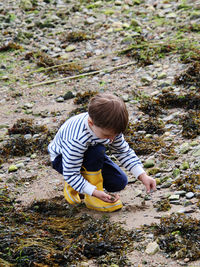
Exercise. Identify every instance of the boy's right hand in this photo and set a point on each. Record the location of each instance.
(105, 197)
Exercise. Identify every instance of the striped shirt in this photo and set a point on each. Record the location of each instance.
(73, 139)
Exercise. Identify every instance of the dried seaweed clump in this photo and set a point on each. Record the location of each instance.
(191, 124)
(170, 99)
(10, 45)
(83, 100)
(147, 53)
(56, 236)
(74, 37)
(190, 77)
(53, 64)
(189, 183)
(150, 107)
(26, 126)
(18, 145)
(179, 236)
(190, 55)
(150, 126)
(162, 205)
(142, 144)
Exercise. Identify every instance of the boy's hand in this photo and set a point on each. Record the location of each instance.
(148, 182)
(105, 197)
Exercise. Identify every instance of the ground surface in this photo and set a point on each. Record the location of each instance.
(103, 28)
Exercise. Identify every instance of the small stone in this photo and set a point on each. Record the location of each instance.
(28, 136)
(90, 20)
(162, 75)
(146, 79)
(70, 48)
(196, 153)
(137, 193)
(185, 166)
(185, 147)
(189, 195)
(20, 165)
(174, 197)
(135, 23)
(26, 5)
(187, 203)
(176, 172)
(68, 95)
(194, 143)
(33, 156)
(12, 168)
(171, 15)
(60, 99)
(152, 248)
(149, 163)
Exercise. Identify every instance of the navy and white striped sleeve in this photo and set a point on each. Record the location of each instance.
(72, 157)
(126, 156)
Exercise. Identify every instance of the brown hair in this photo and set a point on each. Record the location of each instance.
(108, 111)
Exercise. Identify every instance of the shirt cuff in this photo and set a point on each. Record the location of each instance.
(88, 189)
(137, 171)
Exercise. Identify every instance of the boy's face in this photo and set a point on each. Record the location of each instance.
(101, 132)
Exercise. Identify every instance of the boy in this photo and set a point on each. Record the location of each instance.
(78, 152)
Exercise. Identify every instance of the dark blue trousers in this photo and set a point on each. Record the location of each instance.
(114, 179)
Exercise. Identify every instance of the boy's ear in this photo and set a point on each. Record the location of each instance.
(90, 122)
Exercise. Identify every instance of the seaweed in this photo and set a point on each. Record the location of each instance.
(53, 233)
(10, 45)
(191, 124)
(146, 53)
(162, 205)
(53, 64)
(26, 126)
(18, 145)
(179, 236)
(74, 37)
(188, 183)
(144, 144)
(83, 98)
(190, 77)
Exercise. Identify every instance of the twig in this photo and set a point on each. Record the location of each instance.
(82, 75)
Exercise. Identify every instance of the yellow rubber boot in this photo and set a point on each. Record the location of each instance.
(71, 195)
(94, 203)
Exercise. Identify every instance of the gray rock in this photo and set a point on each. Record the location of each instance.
(185, 147)
(176, 172)
(12, 168)
(26, 5)
(174, 197)
(68, 95)
(152, 248)
(185, 165)
(189, 195)
(28, 136)
(149, 163)
(60, 99)
(196, 153)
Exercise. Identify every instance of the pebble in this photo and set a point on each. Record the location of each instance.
(60, 99)
(152, 248)
(12, 168)
(149, 163)
(189, 195)
(174, 197)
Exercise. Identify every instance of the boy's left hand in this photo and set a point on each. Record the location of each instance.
(148, 182)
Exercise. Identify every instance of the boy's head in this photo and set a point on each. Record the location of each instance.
(109, 112)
